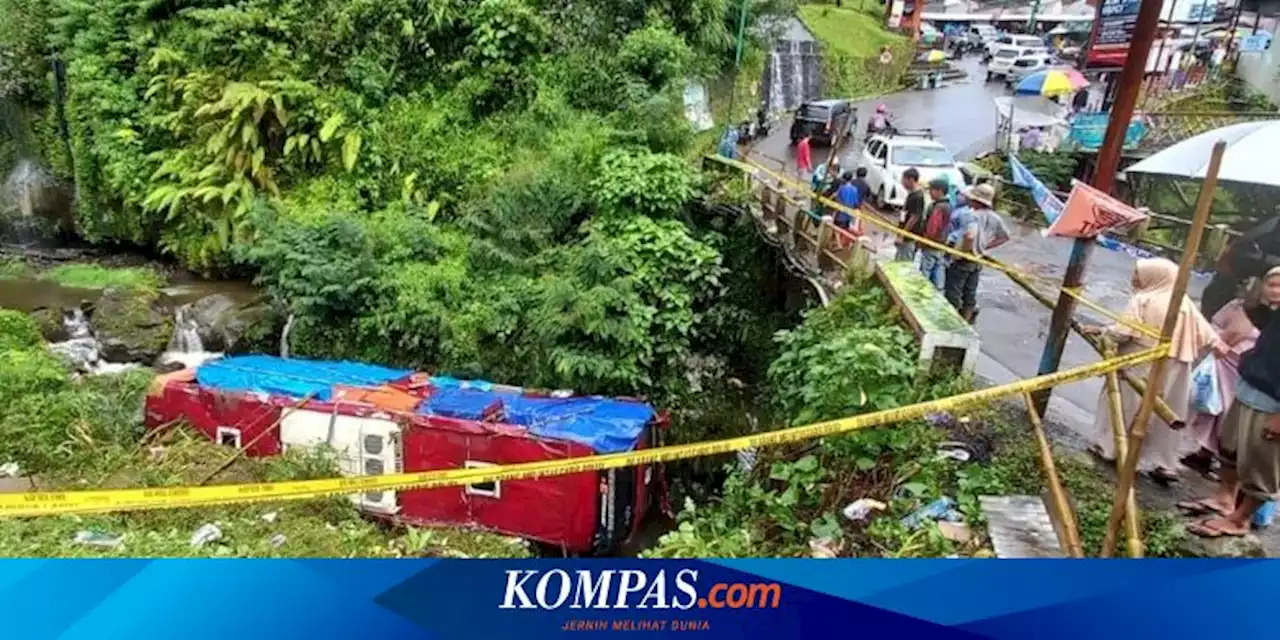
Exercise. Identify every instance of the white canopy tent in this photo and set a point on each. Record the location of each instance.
(1249, 159)
(1015, 113)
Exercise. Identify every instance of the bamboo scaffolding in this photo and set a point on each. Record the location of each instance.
(1132, 533)
(1057, 493)
(1162, 408)
(1155, 379)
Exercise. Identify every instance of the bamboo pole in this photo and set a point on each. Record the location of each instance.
(1162, 408)
(1057, 494)
(1117, 431)
(1155, 379)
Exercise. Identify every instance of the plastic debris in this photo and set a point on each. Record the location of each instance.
(939, 419)
(207, 533)
(747, 459)
(952, 450)
(156, 453)
(270, 516)
(277, 540)
(9, 470)
(98, 539)
(824, 548)
(955, 531)
(941, 509)
(861, 509)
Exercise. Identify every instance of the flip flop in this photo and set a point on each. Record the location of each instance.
(1198, 508)
(1203, 530)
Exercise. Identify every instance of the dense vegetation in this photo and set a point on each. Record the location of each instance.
(851, 38)
(494, 188)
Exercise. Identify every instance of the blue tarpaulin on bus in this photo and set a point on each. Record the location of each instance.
(604, 424)
(292, 377)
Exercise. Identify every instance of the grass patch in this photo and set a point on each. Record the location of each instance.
(851, 39)
(849, 30)
(12, 268)
(93, 276)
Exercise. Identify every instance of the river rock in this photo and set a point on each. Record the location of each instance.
(132, 325)
(220, 322)
(1246, 546)
(50, 322)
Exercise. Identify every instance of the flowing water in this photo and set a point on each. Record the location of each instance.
(793, 73)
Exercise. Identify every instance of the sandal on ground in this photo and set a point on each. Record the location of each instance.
(1205, 530)
(1199, 507)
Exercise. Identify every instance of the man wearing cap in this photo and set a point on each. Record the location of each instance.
(983, 231)
(936, 221)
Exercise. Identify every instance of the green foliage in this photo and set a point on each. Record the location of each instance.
(655, 54)
(850, 357)
(770, 515)
(505, 32)
(29, 372)
(628, 309)
(18, 331)
(319, 270)
(94, 276)
(851, 39)
(23, 61)
(639, 182)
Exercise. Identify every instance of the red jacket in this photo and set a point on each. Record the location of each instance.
(803, 158)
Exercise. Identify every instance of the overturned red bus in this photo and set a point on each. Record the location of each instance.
(384, 421)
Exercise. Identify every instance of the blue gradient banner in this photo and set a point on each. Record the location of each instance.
(528, 599)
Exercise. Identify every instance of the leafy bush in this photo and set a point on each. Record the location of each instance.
(655, 54)
(850, 357)
(319, 270)
(29, 373)
(18, 331)
(640, 182)
(627, 310)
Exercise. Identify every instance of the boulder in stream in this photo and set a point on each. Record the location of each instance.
(216, 322)
(50, 322)
(133, 325)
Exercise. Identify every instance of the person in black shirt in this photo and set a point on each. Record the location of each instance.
(860, 183)
(1250, 437)
(1248, 256)
(912, 214)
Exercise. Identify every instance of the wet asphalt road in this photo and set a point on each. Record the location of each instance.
(962, 116)
(1012, 324)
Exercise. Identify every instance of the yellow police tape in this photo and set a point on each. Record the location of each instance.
(79, 502)
(752, 168)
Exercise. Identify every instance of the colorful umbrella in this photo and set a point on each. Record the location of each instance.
(1051, 82)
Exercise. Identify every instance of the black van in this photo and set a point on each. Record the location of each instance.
(823, 121)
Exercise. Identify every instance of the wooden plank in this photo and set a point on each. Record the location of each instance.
(1020, 527)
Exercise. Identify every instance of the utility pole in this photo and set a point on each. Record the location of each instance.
(1104, 178)
(1031, 23)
